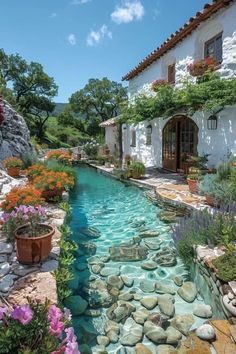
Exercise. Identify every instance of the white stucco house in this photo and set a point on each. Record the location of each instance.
(162, 142)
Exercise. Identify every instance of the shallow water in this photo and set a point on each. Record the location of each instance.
(118, 211)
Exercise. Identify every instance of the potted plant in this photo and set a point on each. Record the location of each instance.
(36, 327)
(192, 181)
(199, 67)
(198, 164)
(33, 237)
(13, 166)
(52, 184)
(137, 169)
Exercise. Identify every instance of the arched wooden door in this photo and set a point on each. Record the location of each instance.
(180, 139)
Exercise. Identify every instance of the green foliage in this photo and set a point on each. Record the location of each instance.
(29, 158)
(138, 167)
(66, 259)
(226, 266)
(211, 94)
(53, 165)
(66, 207)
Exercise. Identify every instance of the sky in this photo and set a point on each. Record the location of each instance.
(76, 40)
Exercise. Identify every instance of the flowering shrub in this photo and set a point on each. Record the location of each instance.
(199, 67)
(26, 195)
(91, 148)
(60, 155)
(36, 328)
(50, 180)
(12, 162)
(157, 83)
(34, 170)
(22, 215)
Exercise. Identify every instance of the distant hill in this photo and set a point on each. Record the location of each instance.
(59, 108)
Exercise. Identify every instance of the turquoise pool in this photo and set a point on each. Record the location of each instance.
(108, 213)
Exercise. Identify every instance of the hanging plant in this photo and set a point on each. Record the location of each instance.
(199, 67)
(157, 83)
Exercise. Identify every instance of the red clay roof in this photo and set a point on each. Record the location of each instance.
(188, 27)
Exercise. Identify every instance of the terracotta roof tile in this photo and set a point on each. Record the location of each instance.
(179, 35)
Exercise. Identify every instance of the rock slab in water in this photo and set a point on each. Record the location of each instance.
(149, 233)
(127, 281)
(115, 281)
(98, 294)
(155, 333)
(147, 286)
(166, 257)
(150, 265)
(206, 332)
(165, 303)
(128, 253)
(132, 333)
(120, 311)
(183, 323)
(188, 291)
(203, 311)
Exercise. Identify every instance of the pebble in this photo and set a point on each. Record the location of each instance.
(206, 332)
(4, 269)
(7, 282)
(149, 265)
(203, 311)
(49, 266)
(127, 281)
(103, 340)
(6, 248)
(149, 302)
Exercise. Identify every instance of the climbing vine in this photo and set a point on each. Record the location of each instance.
(210, 93)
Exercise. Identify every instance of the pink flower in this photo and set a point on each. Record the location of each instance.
(56, 327)
(72, 348)
(23, 314)
(3, 311)
(70, 334)
(54, 313)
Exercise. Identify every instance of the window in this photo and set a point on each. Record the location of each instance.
(149, 135)
(133, 138)
(213, 48)
(171, 74)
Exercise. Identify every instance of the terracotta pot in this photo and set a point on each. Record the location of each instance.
(135, 175)
(49, 195)
(107, 152)
(233, 163)
(193, 185)
(13, 171)
(32, 250)
(210, 200)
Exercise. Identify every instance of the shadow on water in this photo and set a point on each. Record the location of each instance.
(85, 237)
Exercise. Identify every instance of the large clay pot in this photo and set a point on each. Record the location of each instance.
(49, 195)
(135, 175)
(13, 172)
(193, 185)
(32, 250)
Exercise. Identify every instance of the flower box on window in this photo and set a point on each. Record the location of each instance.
(157, 83)
(199, 67)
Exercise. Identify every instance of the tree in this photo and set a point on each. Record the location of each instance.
(99, 98)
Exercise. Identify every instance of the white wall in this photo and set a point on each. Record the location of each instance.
(192, 48)
(111, 139)
(218, 143)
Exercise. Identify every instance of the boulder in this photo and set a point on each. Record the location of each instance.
(183, 323)
(149, 302)
(202, 310)
(173, 335)
(128, 253)
(206, 332)
(140, 316)
(165, 303)
(155, 333)
(188, 291)
(120, 311)
(132, 333)
(76, 304)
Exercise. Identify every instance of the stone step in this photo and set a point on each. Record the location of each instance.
(224, 343)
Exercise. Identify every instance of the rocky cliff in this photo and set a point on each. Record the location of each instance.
(14, 133)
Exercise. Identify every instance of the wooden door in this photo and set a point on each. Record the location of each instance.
(180, 138)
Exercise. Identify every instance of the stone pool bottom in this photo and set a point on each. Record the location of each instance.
(127, 285)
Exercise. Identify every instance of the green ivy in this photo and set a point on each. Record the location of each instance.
(211, 93)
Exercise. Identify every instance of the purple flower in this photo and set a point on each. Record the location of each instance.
(3, 311)
(72, 348)
(56, 327)
(70, 335)
(54, 313)
(23, 314)
(67, 314)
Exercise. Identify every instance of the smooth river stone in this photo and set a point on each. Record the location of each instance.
(147, 286)
(164, 289)
(149, 302)
(127, 281)
(167, 349)
(183, 323)
(76, 304)
(120, 311)
(166, 257)
(6, 248)
(115, 281)
(98, 295)
(173, 335)
(96, 268)
(103, 340)
(166, 305)
(155, 333)
(140, 316)
(203, 311)
(206, 332)
(105, 272)
(178, 280)
(153, 245)
(142, 349)
(128, 253)
(149, 234)
(105, 259)
(188, 291)
(4, 269)
(126, 296)
(149, 265)
(132, 333)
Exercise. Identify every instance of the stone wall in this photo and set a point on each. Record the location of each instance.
(14, 134)
(220, 295)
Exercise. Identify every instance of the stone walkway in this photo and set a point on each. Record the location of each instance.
(170, 188)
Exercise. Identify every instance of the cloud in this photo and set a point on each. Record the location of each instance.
(96, 37)
(128, 12)
(53, 15)
(79, 2)
(72, 39)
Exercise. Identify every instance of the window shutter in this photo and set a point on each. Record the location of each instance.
(171, 74)
(218, 49)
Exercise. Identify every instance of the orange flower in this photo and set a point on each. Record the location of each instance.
(26, 195)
